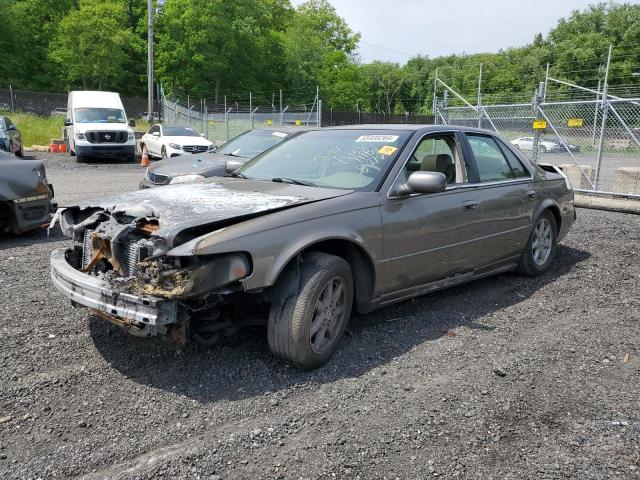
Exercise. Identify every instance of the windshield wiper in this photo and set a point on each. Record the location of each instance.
(237, 175)
(294, 181)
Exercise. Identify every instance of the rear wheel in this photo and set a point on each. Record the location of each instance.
(538, 255)
(307, 329)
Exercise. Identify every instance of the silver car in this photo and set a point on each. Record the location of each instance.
(331, 222)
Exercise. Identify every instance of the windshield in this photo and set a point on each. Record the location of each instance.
(178, 131)
(252, 143)
(99, 115)
(352, 159)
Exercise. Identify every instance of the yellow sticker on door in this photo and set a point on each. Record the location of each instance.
(388, 150)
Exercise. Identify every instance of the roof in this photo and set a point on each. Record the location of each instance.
(410, 127)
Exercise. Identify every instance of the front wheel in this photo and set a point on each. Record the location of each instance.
(537, 256)
(20, 153)
(307, 329)
(163, 152)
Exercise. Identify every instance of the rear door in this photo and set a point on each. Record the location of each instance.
(428, 237)
(508, 196)
(153, 143)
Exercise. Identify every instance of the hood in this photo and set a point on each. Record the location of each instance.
(192, 209)
(188, 140)
(114, 127)
(201, 164)
(21, 178)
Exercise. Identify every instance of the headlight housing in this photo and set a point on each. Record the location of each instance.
(175, 146)
(212, 147)
(81, 136)
(187, 179)
(132, 136)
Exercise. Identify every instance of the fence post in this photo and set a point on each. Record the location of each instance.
(605, 114)
(595, 115)
(480, 114)
(206, 120)
(537, 101)
(281, 112)
(11, 97)
(319, 121)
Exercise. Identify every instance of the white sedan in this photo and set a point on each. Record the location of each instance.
(546, 145)
(166, 141)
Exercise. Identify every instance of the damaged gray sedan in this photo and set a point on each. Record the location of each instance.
(330, 222)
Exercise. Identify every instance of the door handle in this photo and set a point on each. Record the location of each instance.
(532, 194)
(471, 206)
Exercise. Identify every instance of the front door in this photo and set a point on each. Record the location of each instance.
(431, 237)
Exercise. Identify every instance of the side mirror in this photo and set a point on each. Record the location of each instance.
(424, 182)
(132, 123)
(68, 122)
(233, 164)
(156, 134)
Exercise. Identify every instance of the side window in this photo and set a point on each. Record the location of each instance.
(492, 166)
(438, 154)
(8, 123)
(154, 129)
(514, 162)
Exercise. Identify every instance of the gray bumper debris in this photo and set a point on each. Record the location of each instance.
(98, 294)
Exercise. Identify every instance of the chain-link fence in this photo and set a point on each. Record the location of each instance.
(223, 122)
(596, 142)
(46, 103)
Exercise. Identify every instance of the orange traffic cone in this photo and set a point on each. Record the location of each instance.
(144, 161)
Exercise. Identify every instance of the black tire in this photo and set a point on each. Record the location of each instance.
(80, 159)
(528, 264)
(289, 328)
(20, 153)
(163, 153)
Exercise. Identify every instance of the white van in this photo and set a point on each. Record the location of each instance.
(96, 126)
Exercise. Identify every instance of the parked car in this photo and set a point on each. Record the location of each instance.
(25, 194)
(97, 126)
(166, 141)
(546, 145)
(10, 138)
(187, 169)
(329, 222)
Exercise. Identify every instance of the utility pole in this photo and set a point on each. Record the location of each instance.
(150, 60)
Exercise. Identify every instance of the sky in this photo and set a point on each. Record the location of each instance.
(406, 28)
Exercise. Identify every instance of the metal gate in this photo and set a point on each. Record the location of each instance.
(597, 142)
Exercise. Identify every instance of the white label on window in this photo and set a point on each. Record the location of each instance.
(279, 134)
(378, 138)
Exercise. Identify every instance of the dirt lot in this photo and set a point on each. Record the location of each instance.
(508, 377)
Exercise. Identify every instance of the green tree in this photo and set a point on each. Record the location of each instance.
(91, 43)
(206, 47)
(317, 47)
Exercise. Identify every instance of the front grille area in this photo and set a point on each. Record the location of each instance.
(107, 137)
(195, 148)
(86, 248)
(158, 179)
(127, 253)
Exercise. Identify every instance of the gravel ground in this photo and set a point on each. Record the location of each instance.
(507, 377)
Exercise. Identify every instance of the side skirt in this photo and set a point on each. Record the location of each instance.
(458, 279)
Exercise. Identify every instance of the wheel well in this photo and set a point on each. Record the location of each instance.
(357, 258)
(359, 261)
(556, 215)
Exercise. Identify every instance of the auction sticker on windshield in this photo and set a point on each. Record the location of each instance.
(388, 150)
(378, 138)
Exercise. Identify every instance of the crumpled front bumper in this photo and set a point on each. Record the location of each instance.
(92, 292)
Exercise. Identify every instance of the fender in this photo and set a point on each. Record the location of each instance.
(307, 241)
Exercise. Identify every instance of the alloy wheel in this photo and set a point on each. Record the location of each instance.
(542, 241)
(328, 315)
